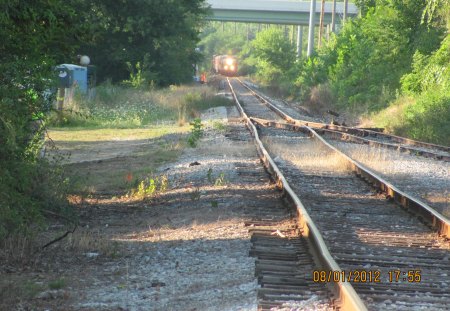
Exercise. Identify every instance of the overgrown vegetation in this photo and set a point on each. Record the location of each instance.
(34, 37)
(394, 56)
(149, 43)
(117, 106)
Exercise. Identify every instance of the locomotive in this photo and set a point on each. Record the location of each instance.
(225, 65)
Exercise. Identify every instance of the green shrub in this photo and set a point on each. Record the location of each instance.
(196, 132)
(426, 117)
(429, 117)
(150, 187)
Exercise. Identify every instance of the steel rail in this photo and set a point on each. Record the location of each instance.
(436, 220)
(348, 298)
(352, 130)
(353, 138)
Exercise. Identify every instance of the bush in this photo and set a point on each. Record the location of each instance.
(274, 55)
(321, 98)
(426, 117)
(429, 117)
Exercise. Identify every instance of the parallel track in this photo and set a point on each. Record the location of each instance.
(364, 232)
(360, 135)
(283, 260)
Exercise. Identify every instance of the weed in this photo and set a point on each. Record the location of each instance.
(209, 175)
(151, 186)
(214, 204)
(220, 181)
(219, 126)
(163, 183)
(146, 188)
(137, 78)
(181, 107)
(57, 284)
(31, 289)
(196, 132)
(114, 250)
(196, 194)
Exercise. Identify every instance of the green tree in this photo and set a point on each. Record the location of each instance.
(160, 35)
(274, 55)
(35, 36)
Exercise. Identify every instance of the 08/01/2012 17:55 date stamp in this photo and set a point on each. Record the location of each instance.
(367, 276)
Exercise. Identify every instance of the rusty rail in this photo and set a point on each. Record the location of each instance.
(352, 130)
(437, 221)
(352, 138)
(348, 298)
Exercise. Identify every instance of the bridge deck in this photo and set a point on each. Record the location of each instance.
(274, 11)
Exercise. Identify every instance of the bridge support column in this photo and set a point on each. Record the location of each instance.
(345, 11)
(333, 17)
(299, 41)
(312, 16)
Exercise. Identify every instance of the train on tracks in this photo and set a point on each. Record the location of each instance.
(225, 65)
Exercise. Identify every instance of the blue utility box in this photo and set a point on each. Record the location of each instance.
(76, 76)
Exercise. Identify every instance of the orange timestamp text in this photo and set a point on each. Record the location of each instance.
(365, 276)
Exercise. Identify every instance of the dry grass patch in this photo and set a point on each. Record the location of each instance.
(217, 230)
(91, 243)
(306, 154)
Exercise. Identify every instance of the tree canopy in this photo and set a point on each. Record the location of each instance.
(160, 35)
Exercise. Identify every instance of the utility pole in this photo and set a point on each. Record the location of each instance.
(333, 17)
(312, 15)
(345, 10)
(322, 11)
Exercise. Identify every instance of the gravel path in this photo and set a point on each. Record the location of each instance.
(194, 254)
(362, 229)
(426, 179)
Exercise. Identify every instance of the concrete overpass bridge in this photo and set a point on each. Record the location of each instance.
(287, 12)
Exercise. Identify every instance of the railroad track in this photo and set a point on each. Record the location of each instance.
(370, 246)
(283, 261)
(358, 135)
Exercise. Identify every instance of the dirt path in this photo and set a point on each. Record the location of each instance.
(185, 249)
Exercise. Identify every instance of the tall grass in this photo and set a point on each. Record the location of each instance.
(426, 117)
(122, 107)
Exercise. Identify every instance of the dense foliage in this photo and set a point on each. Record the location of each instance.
(274, 55)
(160, 35)
(37, 35)
(398, 48)
(395, 55)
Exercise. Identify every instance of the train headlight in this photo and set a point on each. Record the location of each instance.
(231, 67)
(225, 67)
(229, 61)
